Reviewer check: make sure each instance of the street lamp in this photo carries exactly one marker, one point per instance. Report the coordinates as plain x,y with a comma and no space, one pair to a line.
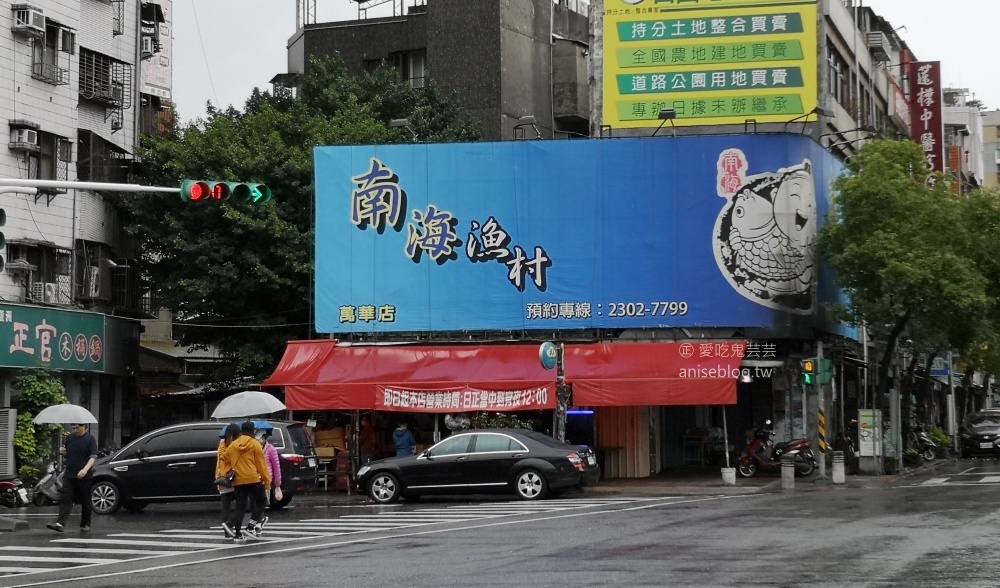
817,110
404,123
525,121
665,115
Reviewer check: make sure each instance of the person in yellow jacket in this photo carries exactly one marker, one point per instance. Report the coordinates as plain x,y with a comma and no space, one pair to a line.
231,433
246,456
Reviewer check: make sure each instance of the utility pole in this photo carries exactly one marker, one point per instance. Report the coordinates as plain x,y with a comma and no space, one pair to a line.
821,413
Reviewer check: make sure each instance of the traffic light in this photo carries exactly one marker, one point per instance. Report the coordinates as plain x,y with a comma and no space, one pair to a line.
3,239
809,371
242,192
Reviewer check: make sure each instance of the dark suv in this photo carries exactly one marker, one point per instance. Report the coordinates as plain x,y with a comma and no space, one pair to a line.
177,464
980,433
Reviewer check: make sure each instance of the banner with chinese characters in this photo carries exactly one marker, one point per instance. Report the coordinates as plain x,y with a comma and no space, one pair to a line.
465,399
537,235
48,338
712,61
925,111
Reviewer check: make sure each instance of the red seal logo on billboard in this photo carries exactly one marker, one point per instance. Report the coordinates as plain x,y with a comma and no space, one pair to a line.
80,347
96,349
686,350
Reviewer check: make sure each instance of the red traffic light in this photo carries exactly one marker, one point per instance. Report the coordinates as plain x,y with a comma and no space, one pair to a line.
200,190
195,191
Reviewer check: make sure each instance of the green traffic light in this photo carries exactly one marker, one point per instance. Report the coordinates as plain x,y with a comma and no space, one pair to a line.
808,379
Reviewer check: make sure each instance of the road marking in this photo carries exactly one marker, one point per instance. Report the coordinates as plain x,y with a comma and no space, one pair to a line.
285,547
83,550
4,570
934,482
42,558
134,542
990,480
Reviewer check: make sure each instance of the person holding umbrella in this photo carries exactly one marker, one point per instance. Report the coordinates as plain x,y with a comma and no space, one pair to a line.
246,456
80,451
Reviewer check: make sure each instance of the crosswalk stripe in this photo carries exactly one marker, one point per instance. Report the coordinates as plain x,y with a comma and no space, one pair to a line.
215,533
990,480
13,570
135,542
42,558
83,550
934,481
160,536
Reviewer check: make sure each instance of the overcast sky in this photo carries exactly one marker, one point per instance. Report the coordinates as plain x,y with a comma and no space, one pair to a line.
225,48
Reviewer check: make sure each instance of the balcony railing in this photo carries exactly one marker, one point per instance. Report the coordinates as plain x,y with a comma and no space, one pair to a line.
52,74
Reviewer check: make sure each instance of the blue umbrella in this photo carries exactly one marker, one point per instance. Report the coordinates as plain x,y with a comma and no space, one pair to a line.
259,425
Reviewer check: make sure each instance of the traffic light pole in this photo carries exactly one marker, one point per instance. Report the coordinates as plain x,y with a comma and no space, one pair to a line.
821,422
68,185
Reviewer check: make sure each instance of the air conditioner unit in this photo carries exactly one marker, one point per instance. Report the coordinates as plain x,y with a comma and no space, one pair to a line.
50,292
24,136
8,424
878,45
92,282
29,20
37,291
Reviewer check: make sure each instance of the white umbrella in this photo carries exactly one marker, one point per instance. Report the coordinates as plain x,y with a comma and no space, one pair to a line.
61,414
247,403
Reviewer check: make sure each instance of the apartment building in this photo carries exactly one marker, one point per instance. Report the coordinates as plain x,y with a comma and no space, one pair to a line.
84,79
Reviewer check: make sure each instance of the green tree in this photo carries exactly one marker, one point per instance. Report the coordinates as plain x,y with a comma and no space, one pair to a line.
33,445
240,277
898,244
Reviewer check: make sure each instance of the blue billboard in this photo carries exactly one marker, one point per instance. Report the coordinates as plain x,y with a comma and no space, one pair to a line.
540,235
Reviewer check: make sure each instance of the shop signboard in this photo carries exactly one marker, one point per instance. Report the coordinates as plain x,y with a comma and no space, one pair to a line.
712,61
869,433
542,235
925,108
35,337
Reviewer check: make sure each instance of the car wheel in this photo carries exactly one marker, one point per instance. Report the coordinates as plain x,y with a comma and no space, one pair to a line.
135,506
106,497
384,488
531,485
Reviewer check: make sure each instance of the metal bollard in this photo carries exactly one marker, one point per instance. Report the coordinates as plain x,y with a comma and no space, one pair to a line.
838,467
787,473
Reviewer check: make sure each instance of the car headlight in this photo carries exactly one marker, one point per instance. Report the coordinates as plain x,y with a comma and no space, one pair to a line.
363,470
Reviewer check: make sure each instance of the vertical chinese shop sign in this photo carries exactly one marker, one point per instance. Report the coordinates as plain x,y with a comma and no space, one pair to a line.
712,61
925,111
51,339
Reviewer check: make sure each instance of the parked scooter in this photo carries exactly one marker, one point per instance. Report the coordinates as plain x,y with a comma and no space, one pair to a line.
760,455
923,443
13,493
48,487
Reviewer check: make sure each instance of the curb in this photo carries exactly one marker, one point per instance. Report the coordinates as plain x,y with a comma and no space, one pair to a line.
8,524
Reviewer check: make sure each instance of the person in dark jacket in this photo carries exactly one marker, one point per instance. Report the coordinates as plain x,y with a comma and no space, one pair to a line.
80,451
404,440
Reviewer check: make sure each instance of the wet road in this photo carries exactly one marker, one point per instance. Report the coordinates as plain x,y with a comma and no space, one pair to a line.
937,529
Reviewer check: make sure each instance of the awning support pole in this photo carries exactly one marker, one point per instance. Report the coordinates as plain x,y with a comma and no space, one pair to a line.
562,395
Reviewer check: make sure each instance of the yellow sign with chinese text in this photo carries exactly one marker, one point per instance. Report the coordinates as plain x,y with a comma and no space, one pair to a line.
712,61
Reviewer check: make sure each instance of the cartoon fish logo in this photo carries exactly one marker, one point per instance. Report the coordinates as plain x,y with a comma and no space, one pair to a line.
764,239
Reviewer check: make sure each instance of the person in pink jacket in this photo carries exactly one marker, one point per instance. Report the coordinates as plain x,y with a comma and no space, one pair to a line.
273,465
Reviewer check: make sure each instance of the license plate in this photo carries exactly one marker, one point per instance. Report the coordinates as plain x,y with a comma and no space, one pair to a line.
591,460
985,445
312,462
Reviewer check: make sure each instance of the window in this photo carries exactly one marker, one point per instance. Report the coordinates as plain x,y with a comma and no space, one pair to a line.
103,80
50,54
51,161
453,446
491,442
838,77
183,441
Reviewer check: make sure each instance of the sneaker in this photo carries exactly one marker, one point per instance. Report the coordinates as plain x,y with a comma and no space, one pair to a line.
57,527
228,530
251,531
259,527
251,525
239,538
84,527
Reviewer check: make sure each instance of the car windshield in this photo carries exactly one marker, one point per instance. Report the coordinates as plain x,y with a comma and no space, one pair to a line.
297,434
982,418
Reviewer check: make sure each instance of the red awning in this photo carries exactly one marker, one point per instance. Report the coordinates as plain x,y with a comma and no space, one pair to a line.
322,375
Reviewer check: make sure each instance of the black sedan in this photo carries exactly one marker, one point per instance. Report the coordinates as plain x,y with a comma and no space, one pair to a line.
980,433
483,461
